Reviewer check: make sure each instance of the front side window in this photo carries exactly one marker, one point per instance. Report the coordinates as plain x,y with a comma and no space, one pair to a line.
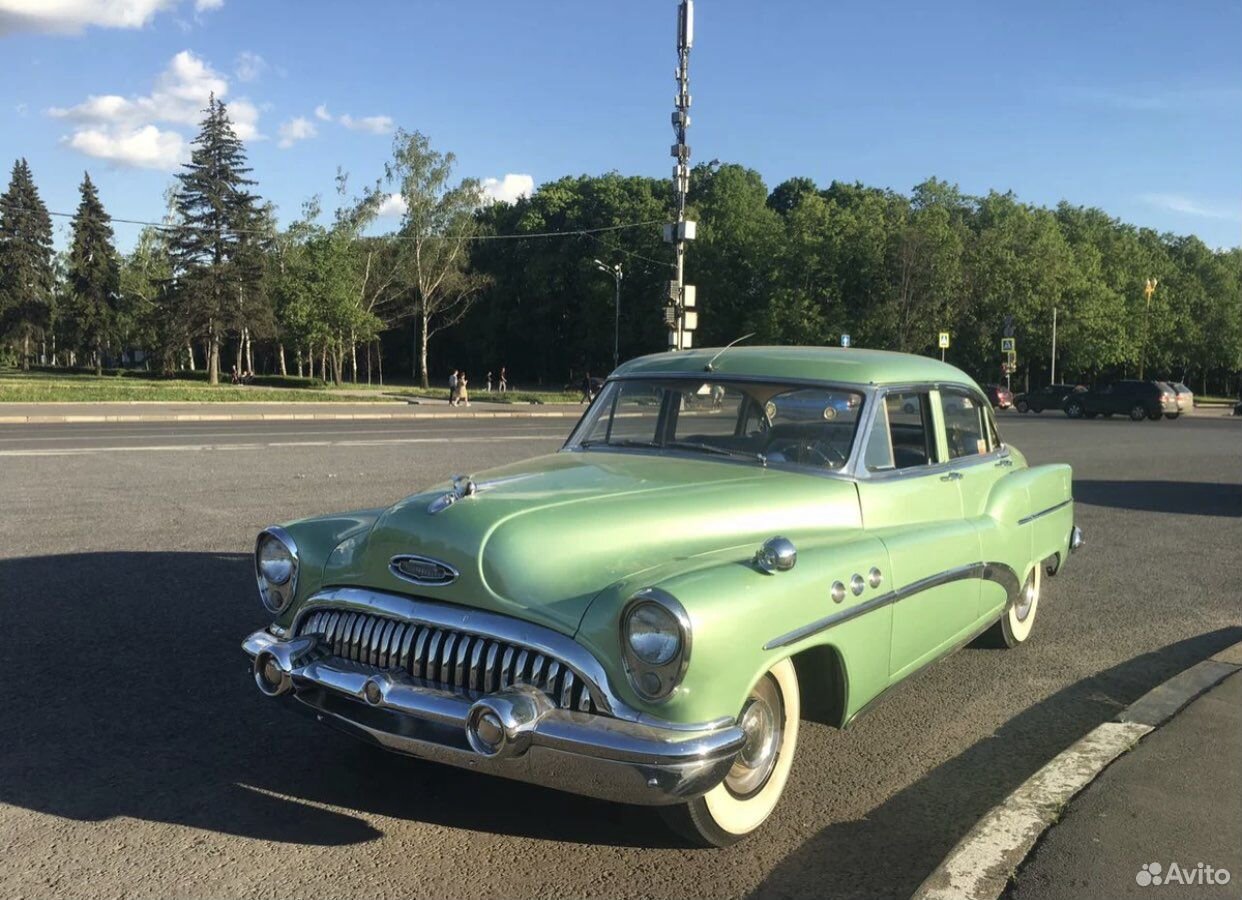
965,424
809,427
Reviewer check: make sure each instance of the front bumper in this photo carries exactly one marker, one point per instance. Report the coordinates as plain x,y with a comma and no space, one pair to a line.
594,755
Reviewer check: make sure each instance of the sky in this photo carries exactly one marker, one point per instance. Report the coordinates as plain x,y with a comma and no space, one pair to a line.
1134,107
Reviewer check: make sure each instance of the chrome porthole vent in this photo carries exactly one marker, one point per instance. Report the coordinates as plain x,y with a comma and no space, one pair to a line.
422,570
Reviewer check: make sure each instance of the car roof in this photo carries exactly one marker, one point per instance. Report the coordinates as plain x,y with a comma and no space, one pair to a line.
833,364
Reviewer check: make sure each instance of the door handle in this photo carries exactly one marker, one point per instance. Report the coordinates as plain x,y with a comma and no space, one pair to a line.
1006,463
951,476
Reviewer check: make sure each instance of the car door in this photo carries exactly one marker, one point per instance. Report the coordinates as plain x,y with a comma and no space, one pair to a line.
980,461
910,499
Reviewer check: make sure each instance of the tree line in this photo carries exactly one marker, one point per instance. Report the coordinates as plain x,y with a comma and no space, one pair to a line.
461,283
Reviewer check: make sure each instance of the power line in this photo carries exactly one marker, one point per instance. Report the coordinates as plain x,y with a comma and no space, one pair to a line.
176,226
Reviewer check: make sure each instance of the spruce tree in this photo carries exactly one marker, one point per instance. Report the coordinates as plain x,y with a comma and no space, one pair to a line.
94,274
209,250
26,274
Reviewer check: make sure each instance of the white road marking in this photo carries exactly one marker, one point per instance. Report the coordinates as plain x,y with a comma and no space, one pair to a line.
128,433
160,448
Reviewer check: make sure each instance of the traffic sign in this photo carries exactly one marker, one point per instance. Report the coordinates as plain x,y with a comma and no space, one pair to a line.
944,340
845,340
1008,345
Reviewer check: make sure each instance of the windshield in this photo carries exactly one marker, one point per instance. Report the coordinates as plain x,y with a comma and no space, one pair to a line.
769,424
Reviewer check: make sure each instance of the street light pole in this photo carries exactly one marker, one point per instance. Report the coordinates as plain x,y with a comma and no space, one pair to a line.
1053,380
615,272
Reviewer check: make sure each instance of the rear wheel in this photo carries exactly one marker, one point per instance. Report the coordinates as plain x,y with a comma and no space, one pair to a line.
1138,413
1155,415
1015,625
1090,415
744,800
1172,415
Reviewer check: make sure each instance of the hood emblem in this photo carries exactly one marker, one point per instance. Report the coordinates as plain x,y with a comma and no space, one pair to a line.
422,570
463,486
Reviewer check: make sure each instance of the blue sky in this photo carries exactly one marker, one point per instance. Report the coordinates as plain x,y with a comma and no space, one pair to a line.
1135,106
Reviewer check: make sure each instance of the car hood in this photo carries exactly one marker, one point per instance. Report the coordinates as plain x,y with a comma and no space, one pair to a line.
539,540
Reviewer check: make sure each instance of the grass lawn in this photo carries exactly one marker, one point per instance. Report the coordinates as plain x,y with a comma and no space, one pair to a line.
44,387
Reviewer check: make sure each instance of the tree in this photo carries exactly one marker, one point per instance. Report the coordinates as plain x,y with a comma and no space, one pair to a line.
94,274
436,231
27,278
213,247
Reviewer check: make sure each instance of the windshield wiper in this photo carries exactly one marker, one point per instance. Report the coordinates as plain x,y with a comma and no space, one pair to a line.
719,451
621,442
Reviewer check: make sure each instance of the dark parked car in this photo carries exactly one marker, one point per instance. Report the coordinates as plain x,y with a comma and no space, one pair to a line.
1135,399
998,395
1050,397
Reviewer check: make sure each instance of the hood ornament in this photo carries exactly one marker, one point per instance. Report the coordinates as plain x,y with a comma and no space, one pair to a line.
463,486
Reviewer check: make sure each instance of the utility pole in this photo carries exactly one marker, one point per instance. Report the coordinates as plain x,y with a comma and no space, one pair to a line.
615,272
679,313
1053,379
1148,289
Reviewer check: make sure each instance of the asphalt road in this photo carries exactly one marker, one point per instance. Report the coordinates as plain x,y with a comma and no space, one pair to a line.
138,760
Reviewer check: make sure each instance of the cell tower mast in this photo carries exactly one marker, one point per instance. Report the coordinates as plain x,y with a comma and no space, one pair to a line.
680,314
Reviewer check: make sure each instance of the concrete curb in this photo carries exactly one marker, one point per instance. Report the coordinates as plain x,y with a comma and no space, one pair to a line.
980,866
74,419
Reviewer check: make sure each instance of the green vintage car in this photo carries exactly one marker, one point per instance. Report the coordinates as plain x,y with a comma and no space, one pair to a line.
729,542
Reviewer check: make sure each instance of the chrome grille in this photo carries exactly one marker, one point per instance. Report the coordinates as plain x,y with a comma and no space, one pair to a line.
446,658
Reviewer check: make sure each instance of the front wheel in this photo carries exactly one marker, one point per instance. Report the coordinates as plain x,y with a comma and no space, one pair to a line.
1015,625
1172,415
1073,409
1022,406
744,800
1137,413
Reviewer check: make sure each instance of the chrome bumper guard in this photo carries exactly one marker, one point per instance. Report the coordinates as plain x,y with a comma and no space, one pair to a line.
1076,539
514,733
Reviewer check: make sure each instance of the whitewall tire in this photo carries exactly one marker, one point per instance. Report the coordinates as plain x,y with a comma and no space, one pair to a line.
1018,619
744,800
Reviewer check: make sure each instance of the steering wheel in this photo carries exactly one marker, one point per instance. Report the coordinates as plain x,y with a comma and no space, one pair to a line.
810,453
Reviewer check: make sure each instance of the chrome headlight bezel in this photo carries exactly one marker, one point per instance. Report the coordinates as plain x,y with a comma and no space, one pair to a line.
655,682
276,597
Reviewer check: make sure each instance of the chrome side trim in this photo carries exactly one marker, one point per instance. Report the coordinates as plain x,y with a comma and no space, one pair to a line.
988,571
1044,512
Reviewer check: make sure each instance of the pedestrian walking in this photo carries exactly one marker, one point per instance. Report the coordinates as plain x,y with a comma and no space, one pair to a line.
489,381
587,396
504,380
463,395
453,388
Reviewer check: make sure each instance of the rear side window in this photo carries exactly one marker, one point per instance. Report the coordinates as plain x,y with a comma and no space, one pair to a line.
901,435
965,424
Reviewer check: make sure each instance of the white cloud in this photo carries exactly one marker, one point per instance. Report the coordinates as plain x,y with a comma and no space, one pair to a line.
207,5
295,130
370,124
1188,206
129,124
147,147
249,66
508,189
392,205
321,113
72,16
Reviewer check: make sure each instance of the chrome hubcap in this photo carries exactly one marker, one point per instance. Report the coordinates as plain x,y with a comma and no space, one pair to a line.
762,721
1023,608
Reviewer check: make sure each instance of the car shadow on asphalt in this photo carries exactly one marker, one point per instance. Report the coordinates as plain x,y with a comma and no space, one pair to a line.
920,824
1194,498
127,694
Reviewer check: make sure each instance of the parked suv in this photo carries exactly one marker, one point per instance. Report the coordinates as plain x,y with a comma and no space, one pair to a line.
1050,397
1136,399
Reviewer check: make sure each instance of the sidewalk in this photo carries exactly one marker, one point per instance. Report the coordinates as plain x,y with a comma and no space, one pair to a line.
147,411
1175,799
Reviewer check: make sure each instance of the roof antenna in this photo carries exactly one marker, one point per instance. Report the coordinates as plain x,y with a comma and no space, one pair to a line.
710,367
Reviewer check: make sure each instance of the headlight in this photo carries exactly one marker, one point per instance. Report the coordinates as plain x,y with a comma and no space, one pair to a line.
653,633
655,643
276,567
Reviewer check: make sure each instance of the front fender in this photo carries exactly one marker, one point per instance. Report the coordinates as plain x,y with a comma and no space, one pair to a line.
326,544
739,614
